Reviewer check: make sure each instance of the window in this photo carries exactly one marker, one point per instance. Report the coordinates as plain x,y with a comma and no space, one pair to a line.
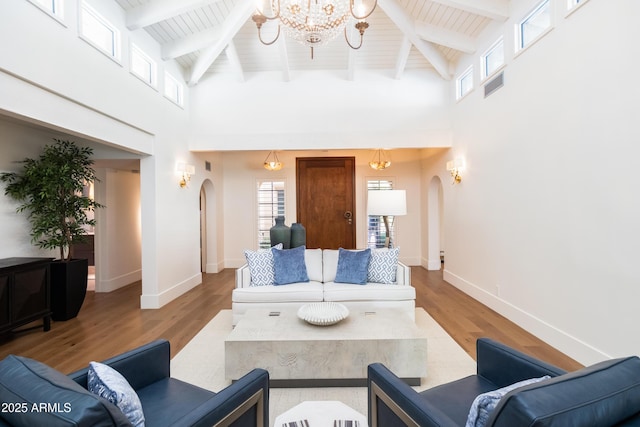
464,84
270,205
493,59
99,32
54,8
173,89
573,4
534,25
142,66
376,232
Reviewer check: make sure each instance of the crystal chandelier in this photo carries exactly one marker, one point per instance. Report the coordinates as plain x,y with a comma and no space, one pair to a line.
313,22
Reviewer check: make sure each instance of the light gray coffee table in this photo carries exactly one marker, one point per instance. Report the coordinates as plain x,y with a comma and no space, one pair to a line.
298,354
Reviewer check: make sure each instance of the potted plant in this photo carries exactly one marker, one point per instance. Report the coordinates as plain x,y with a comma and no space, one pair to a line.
50,190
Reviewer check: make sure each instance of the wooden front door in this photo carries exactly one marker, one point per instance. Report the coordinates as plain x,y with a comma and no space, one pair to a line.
326,202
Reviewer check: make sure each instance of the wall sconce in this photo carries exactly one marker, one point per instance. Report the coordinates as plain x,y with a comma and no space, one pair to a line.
454,167
185,171
272,163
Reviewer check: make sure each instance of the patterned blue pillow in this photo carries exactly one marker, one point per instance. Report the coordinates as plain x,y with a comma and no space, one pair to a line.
353,266
261,266
383,266
289,266
485,403
108,383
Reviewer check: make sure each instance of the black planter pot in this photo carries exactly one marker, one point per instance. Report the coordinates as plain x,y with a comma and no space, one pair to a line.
68,287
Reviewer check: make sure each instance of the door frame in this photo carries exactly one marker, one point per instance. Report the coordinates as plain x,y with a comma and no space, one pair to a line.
354,215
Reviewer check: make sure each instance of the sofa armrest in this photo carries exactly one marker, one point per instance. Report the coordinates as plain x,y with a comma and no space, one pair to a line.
403,275
603,394
244,403
141,366
392,402
503,365
243,277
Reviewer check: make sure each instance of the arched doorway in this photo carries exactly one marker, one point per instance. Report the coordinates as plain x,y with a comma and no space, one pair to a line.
435,229
208,247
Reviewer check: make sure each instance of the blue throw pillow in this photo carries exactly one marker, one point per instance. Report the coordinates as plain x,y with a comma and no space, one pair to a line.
485,403
289,266
353,266
106,382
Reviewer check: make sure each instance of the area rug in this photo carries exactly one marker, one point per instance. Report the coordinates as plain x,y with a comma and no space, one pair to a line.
201,362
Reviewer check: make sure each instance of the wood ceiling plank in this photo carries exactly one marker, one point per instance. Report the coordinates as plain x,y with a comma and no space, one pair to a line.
494,9
406,24
160,10
238,16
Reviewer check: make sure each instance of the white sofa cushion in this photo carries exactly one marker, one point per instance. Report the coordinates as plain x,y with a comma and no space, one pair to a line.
306,291
313,261
369,292
329,264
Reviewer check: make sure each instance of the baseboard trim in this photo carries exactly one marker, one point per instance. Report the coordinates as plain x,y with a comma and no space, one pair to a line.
564,342
165,297
118,282
213,267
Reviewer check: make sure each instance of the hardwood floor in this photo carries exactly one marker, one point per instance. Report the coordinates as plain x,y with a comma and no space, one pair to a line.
109,324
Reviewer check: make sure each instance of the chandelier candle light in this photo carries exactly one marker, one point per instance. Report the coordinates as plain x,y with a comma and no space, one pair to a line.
314,22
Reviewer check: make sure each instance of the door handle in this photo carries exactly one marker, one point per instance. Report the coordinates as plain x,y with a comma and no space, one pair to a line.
348,215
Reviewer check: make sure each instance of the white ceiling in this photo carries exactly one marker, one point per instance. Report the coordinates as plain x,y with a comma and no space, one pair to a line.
218,36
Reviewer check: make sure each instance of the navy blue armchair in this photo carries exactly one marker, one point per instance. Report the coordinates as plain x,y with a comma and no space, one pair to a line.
605,394
165,401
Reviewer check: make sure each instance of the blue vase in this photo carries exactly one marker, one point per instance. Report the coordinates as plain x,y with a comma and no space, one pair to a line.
298,235
280,233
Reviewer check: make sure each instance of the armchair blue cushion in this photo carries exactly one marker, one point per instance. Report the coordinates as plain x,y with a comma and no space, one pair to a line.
605,394
167,401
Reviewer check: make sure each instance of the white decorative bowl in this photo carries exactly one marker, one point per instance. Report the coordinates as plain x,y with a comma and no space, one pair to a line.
323,313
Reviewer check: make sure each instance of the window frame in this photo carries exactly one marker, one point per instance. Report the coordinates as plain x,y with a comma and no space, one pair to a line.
519,34
116,40
262,234
56,12
179,101
468,72
153,71
485,74
573,5
378,229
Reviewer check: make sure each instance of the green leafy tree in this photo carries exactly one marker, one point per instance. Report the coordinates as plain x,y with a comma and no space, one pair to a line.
50,190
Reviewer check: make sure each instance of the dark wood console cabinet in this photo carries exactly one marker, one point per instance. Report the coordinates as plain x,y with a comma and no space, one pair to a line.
25,292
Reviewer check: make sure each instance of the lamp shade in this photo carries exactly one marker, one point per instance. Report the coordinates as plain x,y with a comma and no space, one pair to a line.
387,202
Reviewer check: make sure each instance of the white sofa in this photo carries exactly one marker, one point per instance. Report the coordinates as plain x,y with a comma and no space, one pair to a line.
321,267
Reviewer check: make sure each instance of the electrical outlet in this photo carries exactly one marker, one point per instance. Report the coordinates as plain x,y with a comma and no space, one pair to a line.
497,290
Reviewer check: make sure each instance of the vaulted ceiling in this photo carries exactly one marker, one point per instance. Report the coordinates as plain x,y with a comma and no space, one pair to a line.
218,36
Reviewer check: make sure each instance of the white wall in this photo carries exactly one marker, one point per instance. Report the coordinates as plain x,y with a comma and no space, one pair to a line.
243,169
317,110
543,227
16,143
118,232
50,77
